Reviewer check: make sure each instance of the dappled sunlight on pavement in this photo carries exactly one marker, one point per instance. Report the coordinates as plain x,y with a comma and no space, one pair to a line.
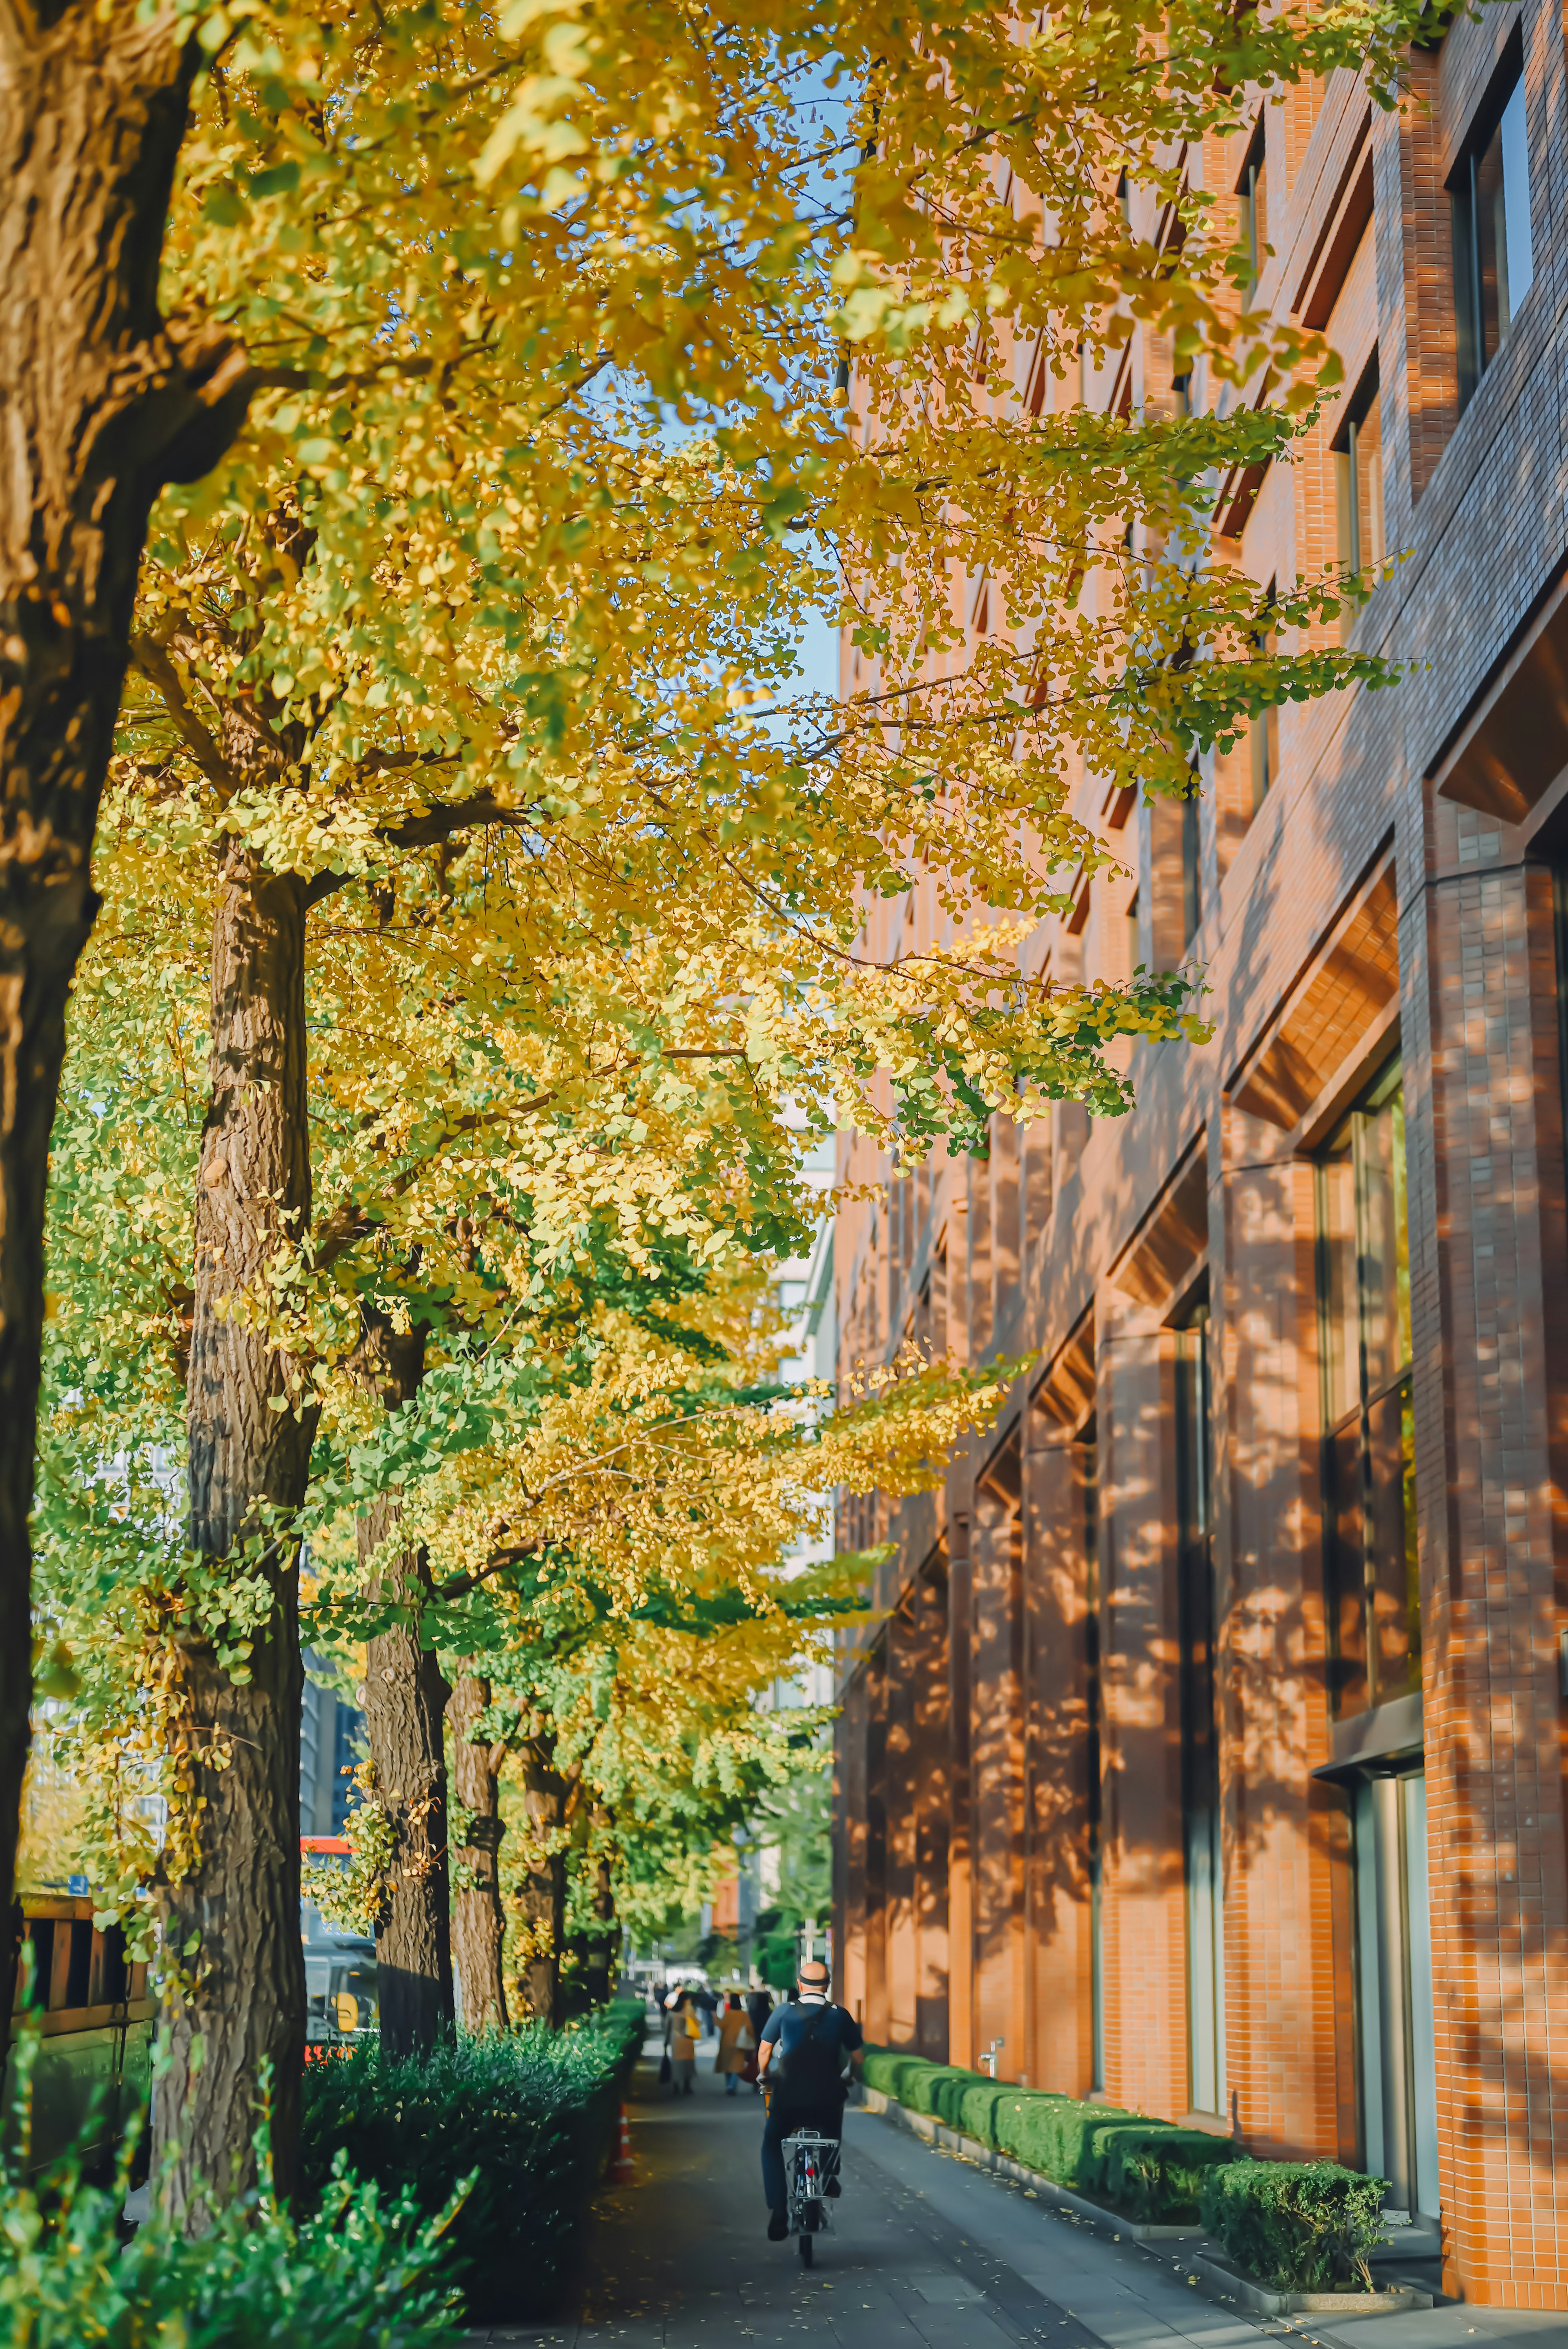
925,2252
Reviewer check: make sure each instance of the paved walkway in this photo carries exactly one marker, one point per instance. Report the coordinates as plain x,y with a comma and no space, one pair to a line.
926,2252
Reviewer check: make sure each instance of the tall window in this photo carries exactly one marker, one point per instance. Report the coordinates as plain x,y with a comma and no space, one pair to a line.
1262,732
1369,1462
1088,1487
1358,478
1494,260
1255,221
1200,1743
1191,865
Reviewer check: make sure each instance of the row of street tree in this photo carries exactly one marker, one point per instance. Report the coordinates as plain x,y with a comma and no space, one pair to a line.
430,920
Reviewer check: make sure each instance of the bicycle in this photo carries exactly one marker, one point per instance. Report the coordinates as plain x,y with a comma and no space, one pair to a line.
810,2159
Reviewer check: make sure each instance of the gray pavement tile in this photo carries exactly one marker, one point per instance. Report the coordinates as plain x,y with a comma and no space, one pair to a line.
1455,2327
969,2327
926,2252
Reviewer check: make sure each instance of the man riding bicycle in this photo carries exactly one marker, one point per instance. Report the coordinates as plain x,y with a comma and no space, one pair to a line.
800,2062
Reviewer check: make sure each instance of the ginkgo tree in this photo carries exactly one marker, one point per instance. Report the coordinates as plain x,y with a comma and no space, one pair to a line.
476,637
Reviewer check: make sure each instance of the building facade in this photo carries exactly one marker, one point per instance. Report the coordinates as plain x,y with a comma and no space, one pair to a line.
1209,1753
332,1741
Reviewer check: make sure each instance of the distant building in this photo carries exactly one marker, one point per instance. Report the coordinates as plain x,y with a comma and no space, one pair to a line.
332,1740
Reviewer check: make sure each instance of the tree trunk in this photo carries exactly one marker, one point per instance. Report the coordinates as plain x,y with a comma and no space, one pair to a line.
98,408
598,1974
479,1926
404,1704
234,1903
543,1897
405,1699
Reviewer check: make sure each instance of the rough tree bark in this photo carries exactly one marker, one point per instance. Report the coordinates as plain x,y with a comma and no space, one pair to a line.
478,1925
542,1901
598,1972
405,1697
101,403
238,1896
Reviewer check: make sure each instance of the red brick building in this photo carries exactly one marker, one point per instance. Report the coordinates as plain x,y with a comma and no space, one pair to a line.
1211,1755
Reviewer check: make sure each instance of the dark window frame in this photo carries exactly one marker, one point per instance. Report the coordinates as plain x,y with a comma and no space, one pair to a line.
1466,215
1367,1404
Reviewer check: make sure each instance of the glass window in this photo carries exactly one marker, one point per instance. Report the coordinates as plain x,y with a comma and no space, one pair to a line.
1262,732
1254,220
1089,1487
1494,259
1368,1452
1358,479
1202,1848
1191,865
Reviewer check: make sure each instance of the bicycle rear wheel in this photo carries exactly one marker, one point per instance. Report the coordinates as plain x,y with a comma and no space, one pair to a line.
805,2251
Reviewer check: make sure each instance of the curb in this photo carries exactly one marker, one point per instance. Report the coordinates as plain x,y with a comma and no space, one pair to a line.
1216,2279
1222,2282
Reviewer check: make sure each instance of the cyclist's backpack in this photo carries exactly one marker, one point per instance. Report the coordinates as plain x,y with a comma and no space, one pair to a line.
808,2073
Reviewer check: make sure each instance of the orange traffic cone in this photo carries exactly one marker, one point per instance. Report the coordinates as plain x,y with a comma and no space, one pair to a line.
623,2169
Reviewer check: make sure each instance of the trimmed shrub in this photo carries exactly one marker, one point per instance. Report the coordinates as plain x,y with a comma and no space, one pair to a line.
1104,2130
976,2107
948,2094
1023,2119
1156,2172
528,2114
881,2068
1069,2133
922,2088
361,2271
1153,2169
1297,2226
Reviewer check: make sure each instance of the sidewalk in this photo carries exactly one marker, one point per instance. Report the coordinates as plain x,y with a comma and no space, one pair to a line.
927,2252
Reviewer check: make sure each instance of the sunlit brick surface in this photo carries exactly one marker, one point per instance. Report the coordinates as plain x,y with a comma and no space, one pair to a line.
1359,911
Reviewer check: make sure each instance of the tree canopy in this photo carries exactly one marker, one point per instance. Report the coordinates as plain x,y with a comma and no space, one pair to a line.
483,941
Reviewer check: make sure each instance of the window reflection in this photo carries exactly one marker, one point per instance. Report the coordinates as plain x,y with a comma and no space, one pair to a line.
1369,1473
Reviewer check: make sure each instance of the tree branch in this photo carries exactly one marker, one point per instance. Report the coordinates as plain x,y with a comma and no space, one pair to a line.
162,674
426,830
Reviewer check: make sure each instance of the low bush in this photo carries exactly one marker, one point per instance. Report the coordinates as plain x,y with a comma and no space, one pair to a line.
1021,2122
362,2271
529,2114
924,2084
1297,2226
1068,2132
883,2067
1156,2172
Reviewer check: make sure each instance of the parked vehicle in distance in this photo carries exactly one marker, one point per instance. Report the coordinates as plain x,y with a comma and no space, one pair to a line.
96,2022
342,2003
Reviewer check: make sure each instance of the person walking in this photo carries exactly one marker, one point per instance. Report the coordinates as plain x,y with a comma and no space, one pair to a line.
759,2006
736,2042
686,2030
801,2060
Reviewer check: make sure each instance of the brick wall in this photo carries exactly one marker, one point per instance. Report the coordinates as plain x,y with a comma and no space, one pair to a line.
1360,910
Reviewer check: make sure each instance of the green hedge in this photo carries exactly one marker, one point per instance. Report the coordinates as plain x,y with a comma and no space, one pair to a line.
362,2271
929,2085
529,2114
1298,2226
1156,2172
1152,2169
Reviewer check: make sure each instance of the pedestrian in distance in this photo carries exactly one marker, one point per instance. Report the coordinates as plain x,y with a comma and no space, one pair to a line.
802,2056
737,2043
686,2030
759,2006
